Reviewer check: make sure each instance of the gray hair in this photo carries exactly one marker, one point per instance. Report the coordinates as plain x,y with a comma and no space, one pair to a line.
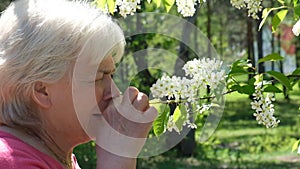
38,41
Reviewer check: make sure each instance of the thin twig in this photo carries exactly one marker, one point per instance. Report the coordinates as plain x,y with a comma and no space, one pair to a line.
184,100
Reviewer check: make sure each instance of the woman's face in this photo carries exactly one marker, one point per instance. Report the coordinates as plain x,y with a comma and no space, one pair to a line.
75,103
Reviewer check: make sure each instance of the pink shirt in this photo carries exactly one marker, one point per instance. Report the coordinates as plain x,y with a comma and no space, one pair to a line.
16,154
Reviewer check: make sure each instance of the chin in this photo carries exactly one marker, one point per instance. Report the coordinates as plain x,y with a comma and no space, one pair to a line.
84,138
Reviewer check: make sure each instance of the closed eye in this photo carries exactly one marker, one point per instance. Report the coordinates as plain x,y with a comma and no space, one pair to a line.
104,74
99,76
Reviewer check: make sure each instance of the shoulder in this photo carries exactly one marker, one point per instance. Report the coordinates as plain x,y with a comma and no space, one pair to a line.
15,154
5,154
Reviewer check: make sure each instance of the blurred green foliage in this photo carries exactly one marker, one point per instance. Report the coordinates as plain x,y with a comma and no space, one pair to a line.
4,4
86,155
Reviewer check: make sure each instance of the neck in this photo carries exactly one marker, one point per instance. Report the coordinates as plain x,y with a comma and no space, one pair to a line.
60,148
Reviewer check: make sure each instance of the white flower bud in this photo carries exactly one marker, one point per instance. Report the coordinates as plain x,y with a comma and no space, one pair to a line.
296,28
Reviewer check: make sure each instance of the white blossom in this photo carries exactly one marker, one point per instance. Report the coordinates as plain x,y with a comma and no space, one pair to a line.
238,3
173,87
203,108
264,109
127,7
253,6
188,123
191,125
199,74
205,72
186,7
298,150
257,95
296,28
256,105
171,125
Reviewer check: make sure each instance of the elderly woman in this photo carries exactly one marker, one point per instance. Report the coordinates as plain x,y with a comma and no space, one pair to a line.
56,90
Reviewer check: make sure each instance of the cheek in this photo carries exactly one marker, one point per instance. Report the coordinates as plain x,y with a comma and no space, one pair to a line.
99,93
63,100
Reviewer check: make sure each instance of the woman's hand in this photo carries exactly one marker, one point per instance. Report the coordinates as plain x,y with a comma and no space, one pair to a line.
123,130
131,115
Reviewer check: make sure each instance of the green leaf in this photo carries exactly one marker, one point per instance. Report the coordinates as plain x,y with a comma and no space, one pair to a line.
252,81
281,1
295,146
101,3
278,18
273,89
297,11
237,70
247,89
235,87
295,80
295,2
149,1
111,6
271,57
258,78
162,118
281,78
168,4
265,15
157,3
239,62
179,116
296,72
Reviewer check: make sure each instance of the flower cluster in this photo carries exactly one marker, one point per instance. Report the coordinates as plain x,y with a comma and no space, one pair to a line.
186,7
253,6
205,72
239,4
172,87
296,28
264,108
199,74
128,7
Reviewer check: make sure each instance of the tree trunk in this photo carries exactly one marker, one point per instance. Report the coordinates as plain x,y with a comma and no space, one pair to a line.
297,52
260,46
208,14
286,96
187,146
250,47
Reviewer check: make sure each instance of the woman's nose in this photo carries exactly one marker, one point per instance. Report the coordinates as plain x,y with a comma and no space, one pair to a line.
111,90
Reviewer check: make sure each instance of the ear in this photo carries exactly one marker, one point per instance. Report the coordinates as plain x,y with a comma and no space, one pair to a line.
40,95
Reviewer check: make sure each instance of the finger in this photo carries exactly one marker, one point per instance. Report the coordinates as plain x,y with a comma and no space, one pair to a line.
151,114
141,102
130,95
